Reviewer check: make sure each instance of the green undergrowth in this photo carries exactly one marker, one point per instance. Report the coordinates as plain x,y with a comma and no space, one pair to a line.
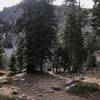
84,89
5,98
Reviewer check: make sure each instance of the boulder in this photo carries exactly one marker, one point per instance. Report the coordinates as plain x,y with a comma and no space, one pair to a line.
50,91
20,97
22,79
68,87
56,88
15,92
69,83
3,81
40,95
81,78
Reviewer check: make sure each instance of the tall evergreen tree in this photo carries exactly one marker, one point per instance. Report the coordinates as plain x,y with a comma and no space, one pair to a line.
1,48
12,64
92,39
70,30
21,53
38,21
96,18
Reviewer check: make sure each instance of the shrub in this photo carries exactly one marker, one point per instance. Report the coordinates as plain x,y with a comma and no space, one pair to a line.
5,98
84,89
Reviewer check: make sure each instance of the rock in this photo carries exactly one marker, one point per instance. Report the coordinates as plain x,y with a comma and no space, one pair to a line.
73,85
3,81
56,88
16,79
40,95
22,79
14,92
22,96
69,83
59,78
68,87
50,91
81,78
20,75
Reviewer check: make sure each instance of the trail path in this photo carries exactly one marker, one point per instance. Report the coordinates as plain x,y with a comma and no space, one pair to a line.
35,87
86,78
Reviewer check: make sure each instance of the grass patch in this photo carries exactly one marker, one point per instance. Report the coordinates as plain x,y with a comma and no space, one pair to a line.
5,98
84,89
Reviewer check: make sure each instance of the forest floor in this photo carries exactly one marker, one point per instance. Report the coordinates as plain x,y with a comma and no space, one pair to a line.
38,86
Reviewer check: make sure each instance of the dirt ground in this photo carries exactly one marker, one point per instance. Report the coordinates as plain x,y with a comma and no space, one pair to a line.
38,87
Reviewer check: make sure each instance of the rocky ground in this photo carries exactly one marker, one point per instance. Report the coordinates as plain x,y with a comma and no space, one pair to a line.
41,87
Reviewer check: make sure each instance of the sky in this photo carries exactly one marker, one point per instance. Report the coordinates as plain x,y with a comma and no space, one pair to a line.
8,3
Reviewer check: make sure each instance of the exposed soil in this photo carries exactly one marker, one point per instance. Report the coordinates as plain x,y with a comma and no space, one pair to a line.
38,87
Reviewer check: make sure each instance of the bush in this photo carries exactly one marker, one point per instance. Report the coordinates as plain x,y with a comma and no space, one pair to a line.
5,98
84,89
86,66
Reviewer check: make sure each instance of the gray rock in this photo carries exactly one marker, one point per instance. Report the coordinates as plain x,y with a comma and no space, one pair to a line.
60,78
22,96
69,83
3,81
15,92
50,91
40,95
73,85
68,87
22,79
81,78
56,88
16,79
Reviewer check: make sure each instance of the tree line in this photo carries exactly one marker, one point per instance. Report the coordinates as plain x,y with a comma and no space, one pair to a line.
42,39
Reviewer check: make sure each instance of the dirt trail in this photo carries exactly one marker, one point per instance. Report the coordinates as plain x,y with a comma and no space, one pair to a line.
36,87
90,79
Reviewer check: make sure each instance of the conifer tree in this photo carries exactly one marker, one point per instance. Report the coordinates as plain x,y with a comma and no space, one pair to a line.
12,65
1,48
21,53
1,56
38,21
96,17
70,31
92,39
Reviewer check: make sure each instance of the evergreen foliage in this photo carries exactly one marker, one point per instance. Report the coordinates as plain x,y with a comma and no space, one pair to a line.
38,22
70,31
96,17
21,53
1,48
13,64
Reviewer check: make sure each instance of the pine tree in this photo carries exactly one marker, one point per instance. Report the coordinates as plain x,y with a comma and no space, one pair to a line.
1,56
38,21
8,41
21,53
96,18
70,31
92,39
12,65
1,49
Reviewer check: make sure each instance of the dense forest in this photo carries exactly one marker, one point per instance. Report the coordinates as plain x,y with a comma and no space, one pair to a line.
37,36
